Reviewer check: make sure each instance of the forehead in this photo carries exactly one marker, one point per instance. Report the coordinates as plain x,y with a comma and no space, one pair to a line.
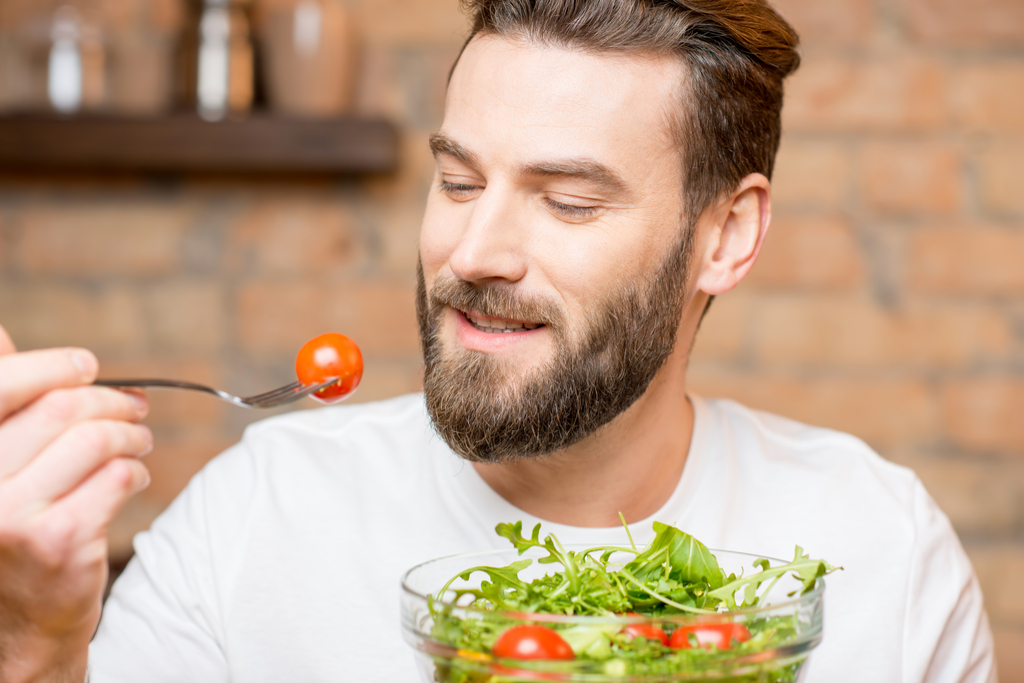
513,101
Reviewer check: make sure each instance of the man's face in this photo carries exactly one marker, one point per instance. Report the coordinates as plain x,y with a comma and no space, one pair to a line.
553,245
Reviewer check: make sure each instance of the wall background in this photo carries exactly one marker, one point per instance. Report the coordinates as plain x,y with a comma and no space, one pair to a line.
888,302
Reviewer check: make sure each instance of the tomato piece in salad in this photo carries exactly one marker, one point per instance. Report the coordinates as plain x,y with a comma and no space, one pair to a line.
532,642
719,636
648,631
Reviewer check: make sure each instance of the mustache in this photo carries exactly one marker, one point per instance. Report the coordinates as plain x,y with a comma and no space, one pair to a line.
495,301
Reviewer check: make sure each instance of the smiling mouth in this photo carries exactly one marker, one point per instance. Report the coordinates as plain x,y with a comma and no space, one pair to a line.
499,325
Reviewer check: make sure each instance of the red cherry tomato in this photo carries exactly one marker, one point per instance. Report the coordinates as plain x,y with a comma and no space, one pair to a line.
648,631
707,636
330,355
532,642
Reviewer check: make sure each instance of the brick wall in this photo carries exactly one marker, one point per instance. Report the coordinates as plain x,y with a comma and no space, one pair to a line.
888,302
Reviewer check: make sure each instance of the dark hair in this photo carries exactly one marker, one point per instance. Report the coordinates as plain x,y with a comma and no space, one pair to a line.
736,54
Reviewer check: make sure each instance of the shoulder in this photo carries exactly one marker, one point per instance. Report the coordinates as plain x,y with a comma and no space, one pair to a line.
798,449
778,430
832,487
292,473
789,483
834,491
323,448
392,427
331,421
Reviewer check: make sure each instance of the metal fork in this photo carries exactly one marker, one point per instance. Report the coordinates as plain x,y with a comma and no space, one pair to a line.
271,399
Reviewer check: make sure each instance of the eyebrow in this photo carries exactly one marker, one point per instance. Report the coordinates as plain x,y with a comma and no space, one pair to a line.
442,144
582,169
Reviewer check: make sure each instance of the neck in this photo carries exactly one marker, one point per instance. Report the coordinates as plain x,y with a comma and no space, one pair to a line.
631,465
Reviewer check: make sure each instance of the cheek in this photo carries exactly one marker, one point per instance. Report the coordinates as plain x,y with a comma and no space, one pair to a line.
587,265
439,234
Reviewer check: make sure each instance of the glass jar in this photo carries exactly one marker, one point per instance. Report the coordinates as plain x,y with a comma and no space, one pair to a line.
308,56
217,62
54,58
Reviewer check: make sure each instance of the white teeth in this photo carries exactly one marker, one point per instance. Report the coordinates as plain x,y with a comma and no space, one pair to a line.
502,326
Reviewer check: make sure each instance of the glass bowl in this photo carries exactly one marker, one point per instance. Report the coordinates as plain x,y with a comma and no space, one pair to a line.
793,625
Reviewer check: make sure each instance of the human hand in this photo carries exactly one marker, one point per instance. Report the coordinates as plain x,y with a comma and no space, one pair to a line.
68,462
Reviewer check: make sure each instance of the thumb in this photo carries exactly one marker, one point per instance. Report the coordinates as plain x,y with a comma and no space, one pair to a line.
6,345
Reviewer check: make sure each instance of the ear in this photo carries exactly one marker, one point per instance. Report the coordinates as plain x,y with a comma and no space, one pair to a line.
733,235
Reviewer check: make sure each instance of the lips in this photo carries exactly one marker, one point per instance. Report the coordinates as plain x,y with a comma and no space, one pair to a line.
499,325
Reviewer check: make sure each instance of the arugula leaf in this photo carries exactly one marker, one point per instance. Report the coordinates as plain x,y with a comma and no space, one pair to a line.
685,558
514,533
665,599
501,578
571,562
802,566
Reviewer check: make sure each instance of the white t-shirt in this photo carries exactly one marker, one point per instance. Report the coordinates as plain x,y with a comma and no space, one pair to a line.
281,561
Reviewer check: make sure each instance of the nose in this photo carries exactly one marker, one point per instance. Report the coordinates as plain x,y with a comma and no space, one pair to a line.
492,247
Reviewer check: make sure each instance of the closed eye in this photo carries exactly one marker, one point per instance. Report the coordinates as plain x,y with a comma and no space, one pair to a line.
457,189
570,210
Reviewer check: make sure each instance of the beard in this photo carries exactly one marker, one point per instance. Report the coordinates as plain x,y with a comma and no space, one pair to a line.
489,412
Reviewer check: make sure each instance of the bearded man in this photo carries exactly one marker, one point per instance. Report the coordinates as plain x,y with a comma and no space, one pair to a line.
602,173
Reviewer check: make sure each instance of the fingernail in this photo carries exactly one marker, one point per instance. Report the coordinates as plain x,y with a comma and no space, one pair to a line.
149,449
141,404
85,362
146,483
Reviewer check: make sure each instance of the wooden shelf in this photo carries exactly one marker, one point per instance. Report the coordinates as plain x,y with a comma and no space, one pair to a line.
186,143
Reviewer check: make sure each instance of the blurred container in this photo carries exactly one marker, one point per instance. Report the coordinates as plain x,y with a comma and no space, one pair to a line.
217,62
142,73
76,69
54,58
308,53
143,60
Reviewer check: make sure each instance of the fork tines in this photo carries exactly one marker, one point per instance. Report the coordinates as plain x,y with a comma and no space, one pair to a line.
286,394
275,396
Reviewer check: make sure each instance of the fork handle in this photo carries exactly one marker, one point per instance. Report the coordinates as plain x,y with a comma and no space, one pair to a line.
167,384
154,383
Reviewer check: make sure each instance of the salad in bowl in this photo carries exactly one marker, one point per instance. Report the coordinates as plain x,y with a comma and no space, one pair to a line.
672,610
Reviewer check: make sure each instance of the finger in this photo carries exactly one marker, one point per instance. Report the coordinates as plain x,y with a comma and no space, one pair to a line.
24,377
93,503
6,345
30,430
74,455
